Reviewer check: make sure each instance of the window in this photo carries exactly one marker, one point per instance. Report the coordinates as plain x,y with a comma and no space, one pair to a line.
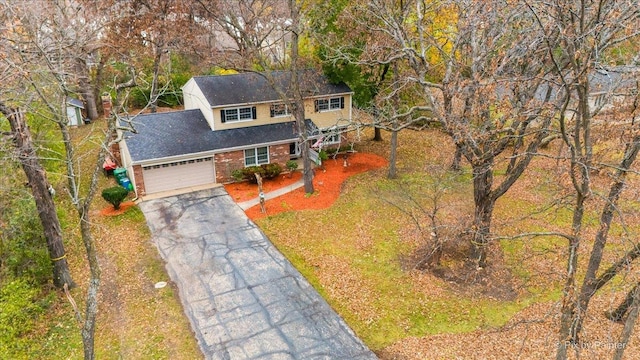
322,105
278,110
329,104
331,138
238,114
257,156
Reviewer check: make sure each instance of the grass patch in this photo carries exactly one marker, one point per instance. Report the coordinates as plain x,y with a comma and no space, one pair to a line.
352,252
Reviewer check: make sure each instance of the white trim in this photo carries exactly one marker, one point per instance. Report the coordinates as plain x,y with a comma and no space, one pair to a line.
224,106
156,161
238,113
255,155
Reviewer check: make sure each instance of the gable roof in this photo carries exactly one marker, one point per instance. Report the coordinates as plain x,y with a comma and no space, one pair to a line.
184,132
75,102
251,87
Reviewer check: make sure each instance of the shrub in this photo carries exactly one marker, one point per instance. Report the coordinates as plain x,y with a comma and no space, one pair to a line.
266,171
292,165
249,173
115,195
237,174
272,170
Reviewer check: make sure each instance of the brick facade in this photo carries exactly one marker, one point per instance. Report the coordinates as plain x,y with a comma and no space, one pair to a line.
227,162
139,179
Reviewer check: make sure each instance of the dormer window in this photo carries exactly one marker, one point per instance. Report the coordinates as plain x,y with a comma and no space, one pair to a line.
238,114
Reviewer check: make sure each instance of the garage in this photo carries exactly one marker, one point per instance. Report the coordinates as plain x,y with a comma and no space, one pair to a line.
177,175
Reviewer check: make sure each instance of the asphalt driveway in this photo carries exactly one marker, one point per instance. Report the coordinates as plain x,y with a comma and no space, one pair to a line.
243,298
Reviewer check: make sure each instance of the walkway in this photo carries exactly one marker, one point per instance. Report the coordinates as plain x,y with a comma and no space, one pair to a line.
243,298
272,194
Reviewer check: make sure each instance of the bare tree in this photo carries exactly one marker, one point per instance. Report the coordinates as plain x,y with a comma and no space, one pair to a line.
485,88
585,31
42,49
154,27
42,193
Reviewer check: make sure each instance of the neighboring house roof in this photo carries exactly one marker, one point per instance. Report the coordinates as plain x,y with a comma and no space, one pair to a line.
177,133
619,78
75,102
604,81
250,87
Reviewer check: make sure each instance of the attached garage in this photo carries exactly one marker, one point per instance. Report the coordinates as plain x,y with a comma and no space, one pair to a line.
179,174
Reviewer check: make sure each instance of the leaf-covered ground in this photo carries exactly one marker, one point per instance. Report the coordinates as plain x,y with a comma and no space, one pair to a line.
360,250
135,320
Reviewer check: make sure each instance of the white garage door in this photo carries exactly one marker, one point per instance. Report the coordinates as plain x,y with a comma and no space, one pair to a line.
177,175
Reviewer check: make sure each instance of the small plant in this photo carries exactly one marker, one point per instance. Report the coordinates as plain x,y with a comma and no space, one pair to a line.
237,175
323,155
292,165
115,195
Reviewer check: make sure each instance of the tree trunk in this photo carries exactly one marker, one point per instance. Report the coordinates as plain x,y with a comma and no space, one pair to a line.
567,334
393,153
307,171
91,310
591,283
629,324
153,96
42,195
619,313
97,83
85,89
377,134
457,159
484,204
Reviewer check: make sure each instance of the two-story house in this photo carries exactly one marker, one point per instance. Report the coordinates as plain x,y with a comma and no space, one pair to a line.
230,122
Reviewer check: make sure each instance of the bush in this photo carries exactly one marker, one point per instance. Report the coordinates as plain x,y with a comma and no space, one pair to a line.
292,165
266,171
272,170
237,175
323,155
249,173
115,195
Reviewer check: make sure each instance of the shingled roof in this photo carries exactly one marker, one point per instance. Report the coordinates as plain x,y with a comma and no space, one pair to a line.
184,132
251,87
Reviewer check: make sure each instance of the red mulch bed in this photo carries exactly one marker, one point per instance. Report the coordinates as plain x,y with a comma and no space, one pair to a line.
110,211
327,184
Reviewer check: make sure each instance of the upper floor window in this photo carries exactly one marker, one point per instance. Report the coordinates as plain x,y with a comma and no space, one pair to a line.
329,104
238,114
280,110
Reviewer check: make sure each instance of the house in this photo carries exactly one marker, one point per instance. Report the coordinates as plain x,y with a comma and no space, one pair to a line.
230,122
74,111
611,87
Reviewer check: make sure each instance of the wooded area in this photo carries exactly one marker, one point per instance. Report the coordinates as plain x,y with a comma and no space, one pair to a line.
506,83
